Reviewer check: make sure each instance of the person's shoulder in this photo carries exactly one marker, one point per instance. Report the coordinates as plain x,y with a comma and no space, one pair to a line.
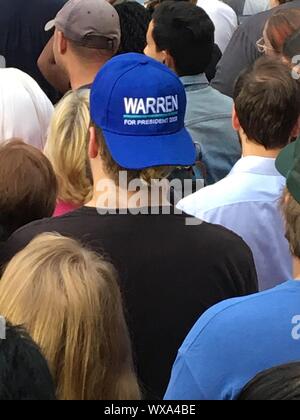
258,20
222,99
208,198
221,240
217,105
50,224
225,240
36,226
226,10
231,314
19,239
255,21
65,225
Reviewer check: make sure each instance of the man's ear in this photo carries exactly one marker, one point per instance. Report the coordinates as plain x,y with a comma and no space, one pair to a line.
168,60
235,120
62,43
296,129
93,149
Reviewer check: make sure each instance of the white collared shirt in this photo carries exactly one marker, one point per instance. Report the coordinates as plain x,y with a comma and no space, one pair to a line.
247,202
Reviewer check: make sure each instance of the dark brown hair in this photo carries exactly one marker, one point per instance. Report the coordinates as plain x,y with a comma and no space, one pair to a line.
28,186
267,102
282,24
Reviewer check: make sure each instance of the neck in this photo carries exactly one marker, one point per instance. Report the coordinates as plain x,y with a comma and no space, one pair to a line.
296,268
84,74
108,195
250,148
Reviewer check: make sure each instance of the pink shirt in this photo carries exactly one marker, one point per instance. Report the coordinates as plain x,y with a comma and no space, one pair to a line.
63,207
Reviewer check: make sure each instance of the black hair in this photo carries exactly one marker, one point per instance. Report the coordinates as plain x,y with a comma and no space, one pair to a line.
134,21
277,384
152,4
24,373
187,33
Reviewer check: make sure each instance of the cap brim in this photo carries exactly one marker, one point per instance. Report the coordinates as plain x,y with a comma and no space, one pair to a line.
140,152
50,25
286,159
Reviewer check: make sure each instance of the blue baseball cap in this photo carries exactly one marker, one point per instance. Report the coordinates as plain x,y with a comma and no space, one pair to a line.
139,104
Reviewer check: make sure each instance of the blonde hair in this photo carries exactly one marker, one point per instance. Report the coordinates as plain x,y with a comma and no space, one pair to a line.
68,299
66,147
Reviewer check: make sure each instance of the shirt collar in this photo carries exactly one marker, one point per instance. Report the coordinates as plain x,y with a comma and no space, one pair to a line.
256,165
199,79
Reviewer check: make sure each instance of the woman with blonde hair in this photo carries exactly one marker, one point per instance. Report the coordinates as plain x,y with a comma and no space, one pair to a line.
66,148
68,299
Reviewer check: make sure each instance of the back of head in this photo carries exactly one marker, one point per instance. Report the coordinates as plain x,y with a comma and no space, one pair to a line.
138,121
277,384
32,194
87,35
282,24
68,299
267,103
187,33
66,146
152,4
86,55
24,373
134,21
24,108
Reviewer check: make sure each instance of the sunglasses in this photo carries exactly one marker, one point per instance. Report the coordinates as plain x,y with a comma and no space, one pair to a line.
261,46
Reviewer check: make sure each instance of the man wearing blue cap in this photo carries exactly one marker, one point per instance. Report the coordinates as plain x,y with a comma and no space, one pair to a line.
170,272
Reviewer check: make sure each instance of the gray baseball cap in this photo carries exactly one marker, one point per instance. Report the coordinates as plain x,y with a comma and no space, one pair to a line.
89,23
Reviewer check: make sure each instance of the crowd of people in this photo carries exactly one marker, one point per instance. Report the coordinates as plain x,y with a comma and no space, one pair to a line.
150,200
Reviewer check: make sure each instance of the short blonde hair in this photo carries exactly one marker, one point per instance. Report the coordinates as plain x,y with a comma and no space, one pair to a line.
66,147
68,299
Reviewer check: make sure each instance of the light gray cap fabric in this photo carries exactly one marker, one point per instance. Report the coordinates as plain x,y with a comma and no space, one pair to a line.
89,23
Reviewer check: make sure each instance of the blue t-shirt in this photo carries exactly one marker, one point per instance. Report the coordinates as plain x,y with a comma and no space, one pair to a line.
234,341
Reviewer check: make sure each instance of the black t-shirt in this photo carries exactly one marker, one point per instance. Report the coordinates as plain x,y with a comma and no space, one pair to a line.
23,37
170,273
242,51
